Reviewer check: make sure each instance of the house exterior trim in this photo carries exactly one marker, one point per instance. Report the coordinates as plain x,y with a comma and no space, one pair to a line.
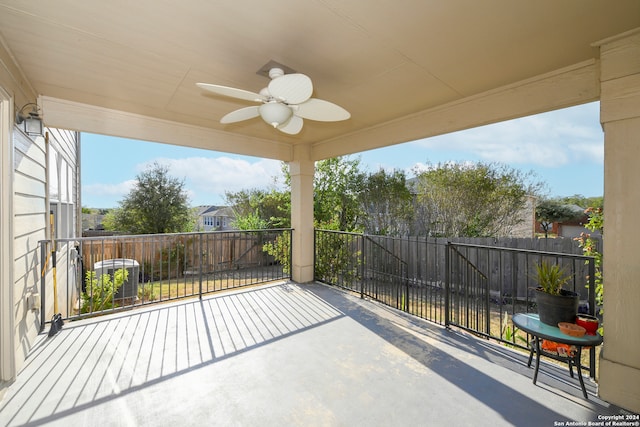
7,356
65,114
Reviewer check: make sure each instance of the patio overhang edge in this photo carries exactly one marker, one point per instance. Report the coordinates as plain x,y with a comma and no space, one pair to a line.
64,114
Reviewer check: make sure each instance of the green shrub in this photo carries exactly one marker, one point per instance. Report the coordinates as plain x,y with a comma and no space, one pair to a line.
280,249
100,292
147,293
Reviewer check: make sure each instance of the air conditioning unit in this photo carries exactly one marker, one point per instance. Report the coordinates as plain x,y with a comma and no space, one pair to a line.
130,287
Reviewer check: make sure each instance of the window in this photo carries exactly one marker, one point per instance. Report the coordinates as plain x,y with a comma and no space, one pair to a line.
61,196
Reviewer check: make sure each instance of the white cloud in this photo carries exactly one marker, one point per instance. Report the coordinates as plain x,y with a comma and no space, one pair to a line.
117,191
208,178
550,139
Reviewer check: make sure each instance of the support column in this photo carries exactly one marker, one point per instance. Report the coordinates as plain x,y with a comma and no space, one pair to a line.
302,169
619,378
7,303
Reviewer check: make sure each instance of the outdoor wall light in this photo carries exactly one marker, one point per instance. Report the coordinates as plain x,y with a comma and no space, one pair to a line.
30,121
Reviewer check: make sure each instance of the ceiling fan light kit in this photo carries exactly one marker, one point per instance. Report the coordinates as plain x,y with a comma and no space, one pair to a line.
285,102
275,113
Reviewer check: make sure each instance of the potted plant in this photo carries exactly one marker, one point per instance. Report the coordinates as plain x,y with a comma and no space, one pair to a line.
555,304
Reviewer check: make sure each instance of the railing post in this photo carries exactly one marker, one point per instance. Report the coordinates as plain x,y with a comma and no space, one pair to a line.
447,284
487,301
200,255
592,311
405,277
291,255
362,266
592,286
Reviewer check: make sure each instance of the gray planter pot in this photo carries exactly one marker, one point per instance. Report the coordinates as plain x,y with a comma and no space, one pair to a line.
554,309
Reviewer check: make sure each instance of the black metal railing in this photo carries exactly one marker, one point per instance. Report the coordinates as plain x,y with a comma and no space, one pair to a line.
470,286
488,285
385,274
338,258
405,273
95,275
469,294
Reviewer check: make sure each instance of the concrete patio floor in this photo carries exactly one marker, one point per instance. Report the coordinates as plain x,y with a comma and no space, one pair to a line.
283,355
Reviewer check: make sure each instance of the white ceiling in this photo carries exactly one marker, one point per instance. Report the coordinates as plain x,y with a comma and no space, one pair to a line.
382,60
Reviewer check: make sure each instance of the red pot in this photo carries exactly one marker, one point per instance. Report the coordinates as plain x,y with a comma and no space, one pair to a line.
590,323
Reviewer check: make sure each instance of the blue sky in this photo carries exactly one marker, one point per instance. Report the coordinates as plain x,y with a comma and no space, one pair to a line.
565,150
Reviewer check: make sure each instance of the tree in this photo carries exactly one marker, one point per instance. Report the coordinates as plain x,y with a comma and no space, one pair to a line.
549,211
257,209
337,183
156,204
583,202
386,203
473,200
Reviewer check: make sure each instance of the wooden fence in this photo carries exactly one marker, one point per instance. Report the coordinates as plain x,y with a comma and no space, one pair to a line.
424,261
175,255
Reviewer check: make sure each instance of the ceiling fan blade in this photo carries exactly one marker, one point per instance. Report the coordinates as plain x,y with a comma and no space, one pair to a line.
291,88
321,110
240,115
293,126
231,92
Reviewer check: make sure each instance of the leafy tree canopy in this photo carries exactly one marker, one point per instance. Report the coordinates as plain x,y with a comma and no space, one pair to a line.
387,203
452,199
337,183
157,203
474,200
257,209
551,210
583,202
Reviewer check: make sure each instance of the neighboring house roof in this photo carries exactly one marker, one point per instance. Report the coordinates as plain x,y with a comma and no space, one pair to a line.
205,209
215,211
580,216
577,209
222,211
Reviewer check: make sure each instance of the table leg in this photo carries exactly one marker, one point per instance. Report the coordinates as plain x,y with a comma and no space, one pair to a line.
532,349
578,364
535,373
571,366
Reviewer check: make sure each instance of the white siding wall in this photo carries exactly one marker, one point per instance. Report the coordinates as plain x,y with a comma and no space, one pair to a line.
30,226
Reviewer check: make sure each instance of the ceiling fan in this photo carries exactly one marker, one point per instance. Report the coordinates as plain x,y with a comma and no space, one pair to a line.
284,102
